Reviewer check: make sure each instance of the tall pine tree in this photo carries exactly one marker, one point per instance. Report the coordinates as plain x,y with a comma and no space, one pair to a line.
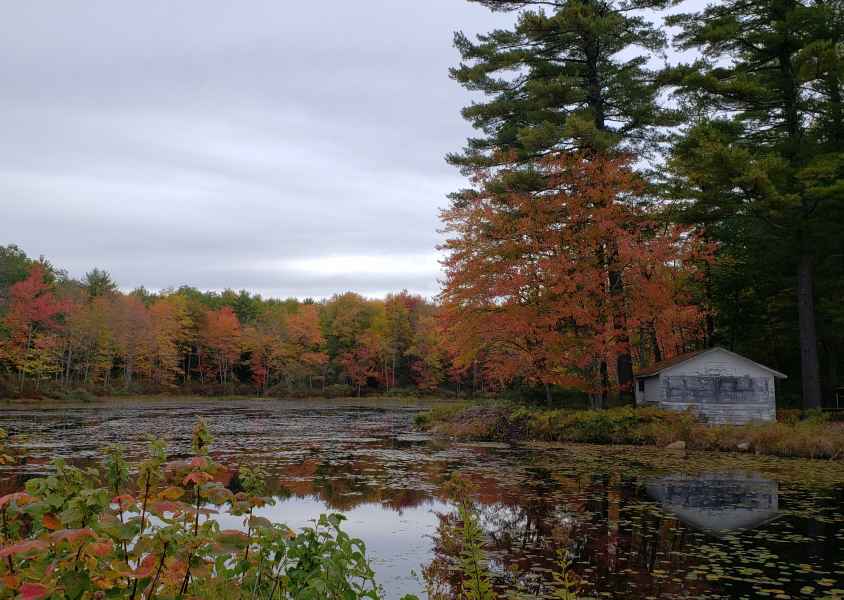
570,76
767,156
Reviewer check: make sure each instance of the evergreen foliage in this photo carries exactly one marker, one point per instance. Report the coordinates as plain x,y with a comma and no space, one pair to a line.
762,166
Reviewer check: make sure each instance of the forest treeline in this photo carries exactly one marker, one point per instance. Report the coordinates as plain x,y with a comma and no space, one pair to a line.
646,182
57,333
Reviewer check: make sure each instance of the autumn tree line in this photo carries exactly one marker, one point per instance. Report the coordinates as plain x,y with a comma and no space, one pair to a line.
57,333
646,182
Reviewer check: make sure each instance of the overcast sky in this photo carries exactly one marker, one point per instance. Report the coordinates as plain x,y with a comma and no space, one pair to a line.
288,148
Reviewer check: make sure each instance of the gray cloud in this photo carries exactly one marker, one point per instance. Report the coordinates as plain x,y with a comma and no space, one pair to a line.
189,142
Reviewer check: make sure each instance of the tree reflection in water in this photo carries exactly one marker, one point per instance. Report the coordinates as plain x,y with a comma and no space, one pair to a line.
618,539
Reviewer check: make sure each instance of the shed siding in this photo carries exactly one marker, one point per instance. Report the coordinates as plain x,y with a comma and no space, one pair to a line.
652,391
720,399
717,385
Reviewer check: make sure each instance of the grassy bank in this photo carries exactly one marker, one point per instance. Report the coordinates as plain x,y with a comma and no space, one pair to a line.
811,437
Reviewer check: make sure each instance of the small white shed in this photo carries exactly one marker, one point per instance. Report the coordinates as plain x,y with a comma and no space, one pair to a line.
721,386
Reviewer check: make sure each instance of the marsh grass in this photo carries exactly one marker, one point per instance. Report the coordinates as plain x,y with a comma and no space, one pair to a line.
814,436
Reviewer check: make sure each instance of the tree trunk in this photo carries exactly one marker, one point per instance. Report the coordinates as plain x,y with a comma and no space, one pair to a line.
655,344
67,365
809,368
605,385
624,362
548,398
127,372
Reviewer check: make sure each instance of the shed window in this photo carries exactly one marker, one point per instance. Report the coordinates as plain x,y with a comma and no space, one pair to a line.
641,385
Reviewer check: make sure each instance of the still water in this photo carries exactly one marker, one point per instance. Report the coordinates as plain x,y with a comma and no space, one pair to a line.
635,523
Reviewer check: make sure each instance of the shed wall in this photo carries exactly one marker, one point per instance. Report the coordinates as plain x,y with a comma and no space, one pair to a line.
717,385
653,391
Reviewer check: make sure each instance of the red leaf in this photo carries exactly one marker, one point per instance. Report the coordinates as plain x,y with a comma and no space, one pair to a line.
22,547
146,568
197,478
198,462
73,535
100,549
20,498
124,502
33,591
163,506
50,521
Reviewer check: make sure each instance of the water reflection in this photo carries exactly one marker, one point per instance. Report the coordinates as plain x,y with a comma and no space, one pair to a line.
631,530
718,502
395,540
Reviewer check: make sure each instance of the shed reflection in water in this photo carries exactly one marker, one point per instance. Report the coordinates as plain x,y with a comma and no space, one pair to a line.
718,502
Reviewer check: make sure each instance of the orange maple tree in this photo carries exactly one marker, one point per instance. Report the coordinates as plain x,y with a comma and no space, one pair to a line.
305,341
528,274
221,336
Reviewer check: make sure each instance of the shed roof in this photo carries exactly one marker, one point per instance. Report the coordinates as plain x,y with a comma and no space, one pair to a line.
657,368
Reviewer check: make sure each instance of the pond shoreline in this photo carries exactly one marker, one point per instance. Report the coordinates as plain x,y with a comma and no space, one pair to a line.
814,437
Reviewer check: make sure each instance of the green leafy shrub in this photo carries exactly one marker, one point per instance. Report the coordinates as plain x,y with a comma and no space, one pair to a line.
80,533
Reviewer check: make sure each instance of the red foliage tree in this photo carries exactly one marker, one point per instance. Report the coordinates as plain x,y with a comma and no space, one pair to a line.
305,342
528,274
364,361
32,320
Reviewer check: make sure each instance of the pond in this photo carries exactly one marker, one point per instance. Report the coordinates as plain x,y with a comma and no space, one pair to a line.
635,522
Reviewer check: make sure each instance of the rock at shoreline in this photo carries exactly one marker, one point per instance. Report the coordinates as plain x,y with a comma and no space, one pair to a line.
679,445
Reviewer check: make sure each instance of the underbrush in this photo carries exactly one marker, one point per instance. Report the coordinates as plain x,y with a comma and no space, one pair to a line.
813,436
440,413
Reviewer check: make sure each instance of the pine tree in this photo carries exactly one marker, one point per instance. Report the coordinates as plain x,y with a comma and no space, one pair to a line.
98,283
570,77
562,79
769,150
